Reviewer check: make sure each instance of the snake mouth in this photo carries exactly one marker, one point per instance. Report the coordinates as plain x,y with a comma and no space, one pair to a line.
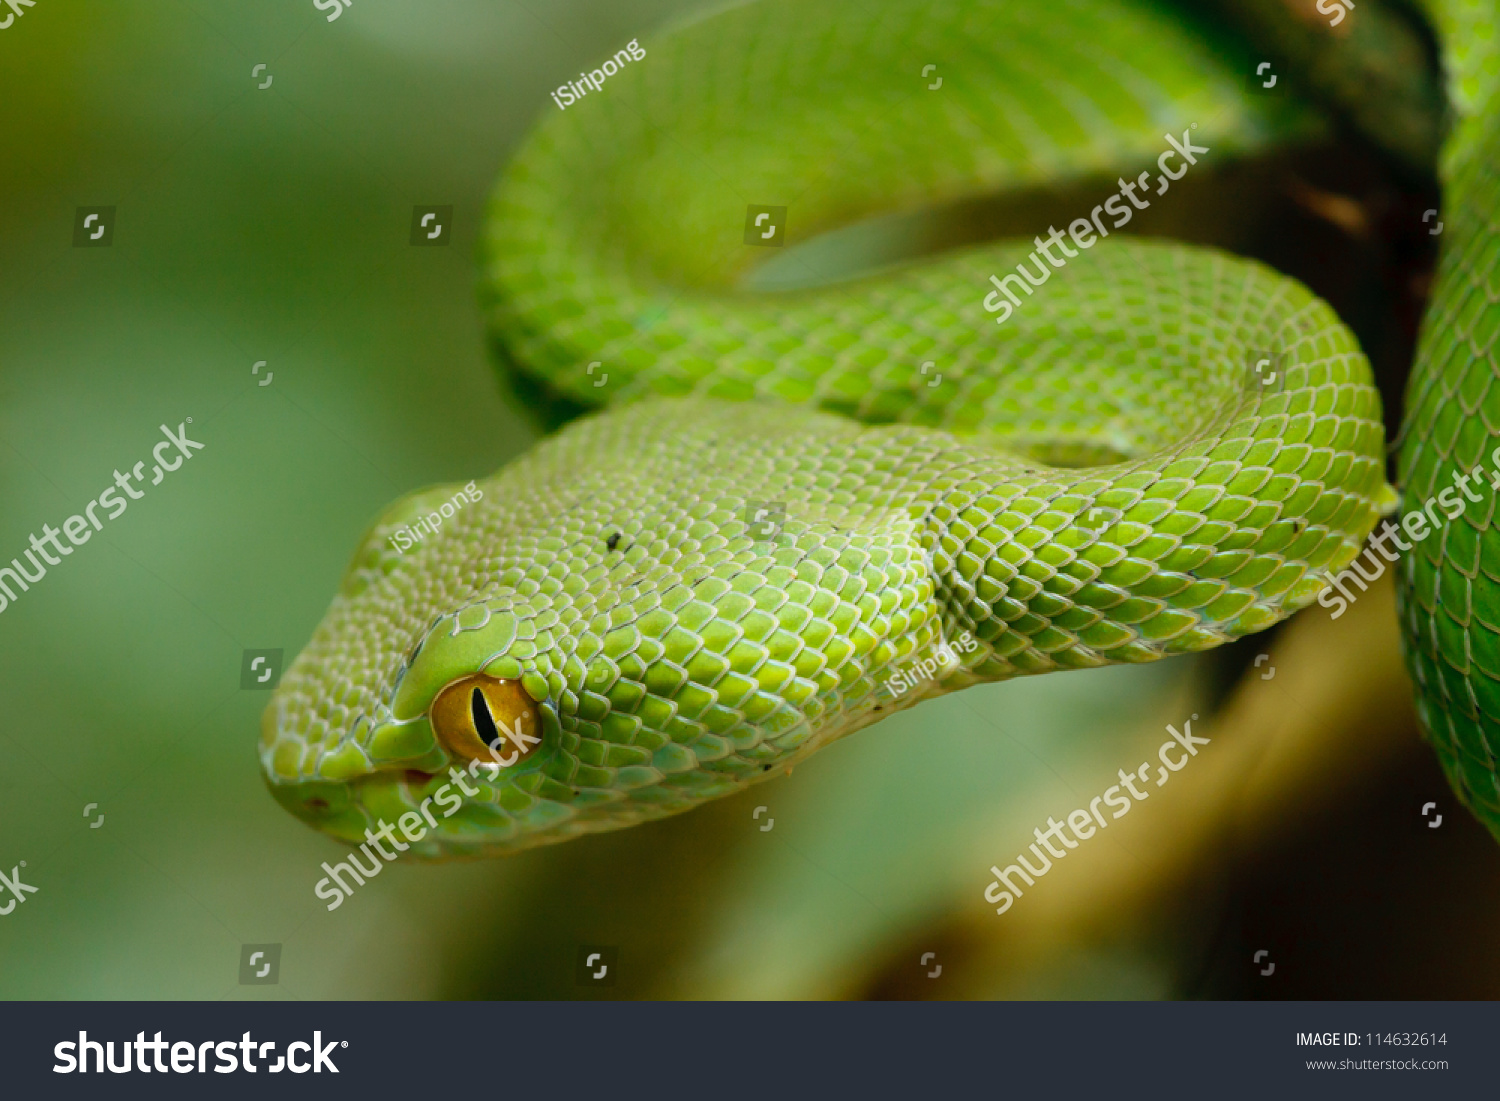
439,813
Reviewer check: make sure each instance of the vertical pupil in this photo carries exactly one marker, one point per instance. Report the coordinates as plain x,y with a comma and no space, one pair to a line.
484,722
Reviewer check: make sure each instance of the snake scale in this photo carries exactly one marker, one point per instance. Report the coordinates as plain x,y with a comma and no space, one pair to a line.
794,512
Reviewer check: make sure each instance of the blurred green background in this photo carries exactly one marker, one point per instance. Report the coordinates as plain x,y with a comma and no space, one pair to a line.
272,224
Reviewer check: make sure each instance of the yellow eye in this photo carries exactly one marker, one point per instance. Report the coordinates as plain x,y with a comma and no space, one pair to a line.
476,712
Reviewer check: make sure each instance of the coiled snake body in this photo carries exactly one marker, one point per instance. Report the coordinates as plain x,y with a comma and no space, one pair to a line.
794,499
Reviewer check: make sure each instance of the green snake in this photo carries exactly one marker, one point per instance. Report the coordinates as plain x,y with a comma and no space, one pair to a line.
792,512
1449,584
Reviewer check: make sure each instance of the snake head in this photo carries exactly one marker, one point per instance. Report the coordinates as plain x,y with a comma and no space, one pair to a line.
416,706
580,645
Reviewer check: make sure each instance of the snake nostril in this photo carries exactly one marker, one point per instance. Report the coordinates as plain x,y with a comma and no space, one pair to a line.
316,805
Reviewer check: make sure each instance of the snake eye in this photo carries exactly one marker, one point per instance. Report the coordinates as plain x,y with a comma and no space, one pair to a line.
478,711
